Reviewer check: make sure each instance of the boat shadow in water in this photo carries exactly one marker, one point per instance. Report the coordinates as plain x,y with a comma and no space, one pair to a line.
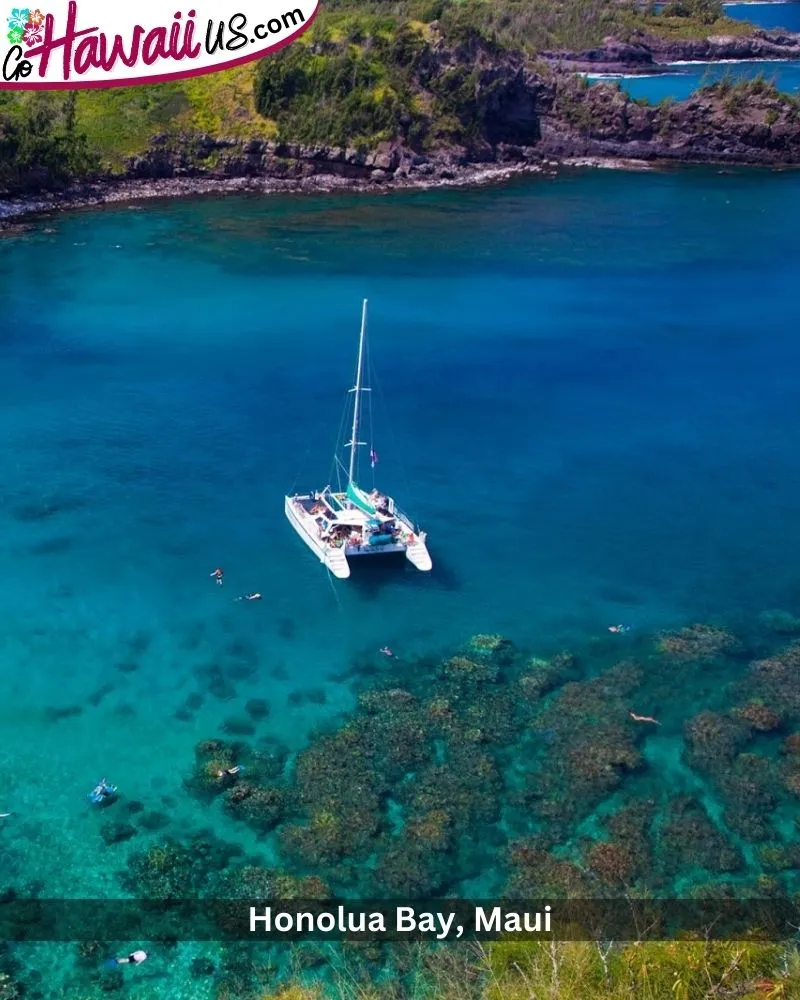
369,576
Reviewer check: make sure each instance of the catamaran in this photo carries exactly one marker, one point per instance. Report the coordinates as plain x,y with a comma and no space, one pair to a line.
341,524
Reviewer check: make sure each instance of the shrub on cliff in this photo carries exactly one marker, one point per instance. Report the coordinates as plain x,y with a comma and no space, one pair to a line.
40,145
347,87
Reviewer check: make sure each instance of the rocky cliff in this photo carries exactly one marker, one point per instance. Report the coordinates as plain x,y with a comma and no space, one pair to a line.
647,54
522,116
486,112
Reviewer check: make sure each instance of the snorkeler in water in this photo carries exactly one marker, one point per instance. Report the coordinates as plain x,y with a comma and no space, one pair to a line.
102,792
386,651
217,575
230,772
619,628
135,958
644,718
249,597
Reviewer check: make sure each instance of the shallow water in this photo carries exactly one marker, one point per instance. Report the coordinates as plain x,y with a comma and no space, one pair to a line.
586,394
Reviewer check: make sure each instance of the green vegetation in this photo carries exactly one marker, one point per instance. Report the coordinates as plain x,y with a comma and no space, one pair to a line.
738,96
40,142
119,123
537,25
578,970
356,78
347,83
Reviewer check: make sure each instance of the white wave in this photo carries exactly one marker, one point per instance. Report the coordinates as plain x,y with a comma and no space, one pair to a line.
732,62
626,76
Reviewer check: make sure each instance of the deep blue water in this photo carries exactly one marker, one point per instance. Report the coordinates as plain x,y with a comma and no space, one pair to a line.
767,15
587,395
683,80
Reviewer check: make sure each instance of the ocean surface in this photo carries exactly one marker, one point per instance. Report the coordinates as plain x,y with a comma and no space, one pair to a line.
586,393
771,16
684,79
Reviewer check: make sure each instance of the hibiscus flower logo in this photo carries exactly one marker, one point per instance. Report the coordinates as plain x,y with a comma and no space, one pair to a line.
35,17
17,21
33,33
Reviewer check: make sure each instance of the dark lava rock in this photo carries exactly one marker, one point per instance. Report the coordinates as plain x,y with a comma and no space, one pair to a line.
220,688
238,726
154,820
199,967
116,833
56,714
257,708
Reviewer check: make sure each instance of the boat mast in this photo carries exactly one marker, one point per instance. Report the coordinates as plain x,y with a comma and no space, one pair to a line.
357,389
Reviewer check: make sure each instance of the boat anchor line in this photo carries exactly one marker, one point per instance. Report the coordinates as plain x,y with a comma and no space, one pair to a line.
339,524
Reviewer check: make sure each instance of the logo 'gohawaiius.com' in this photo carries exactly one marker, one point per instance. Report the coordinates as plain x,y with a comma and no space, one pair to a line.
97,44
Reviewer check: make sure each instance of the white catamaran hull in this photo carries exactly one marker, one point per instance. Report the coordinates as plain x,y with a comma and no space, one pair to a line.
352,523
336,557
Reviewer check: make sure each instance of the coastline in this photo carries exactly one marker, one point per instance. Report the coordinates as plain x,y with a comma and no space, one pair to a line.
112,192
14,211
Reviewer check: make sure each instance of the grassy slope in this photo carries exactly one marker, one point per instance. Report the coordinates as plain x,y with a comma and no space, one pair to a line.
120,123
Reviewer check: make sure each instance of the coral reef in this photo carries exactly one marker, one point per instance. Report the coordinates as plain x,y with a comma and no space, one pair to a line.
612,863
697,642
688,838
713,740
213,760
485,763
759,717
9,990
262,807
779,622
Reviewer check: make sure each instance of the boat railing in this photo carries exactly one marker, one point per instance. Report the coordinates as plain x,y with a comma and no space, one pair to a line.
401,514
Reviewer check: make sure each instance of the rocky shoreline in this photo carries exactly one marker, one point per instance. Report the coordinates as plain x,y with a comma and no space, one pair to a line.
313,172
113,191
525,120
647,54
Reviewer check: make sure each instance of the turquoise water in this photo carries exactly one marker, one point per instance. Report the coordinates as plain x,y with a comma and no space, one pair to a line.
682,80
587,395
767,15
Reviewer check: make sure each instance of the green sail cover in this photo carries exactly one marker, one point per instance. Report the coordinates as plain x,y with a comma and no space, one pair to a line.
359,498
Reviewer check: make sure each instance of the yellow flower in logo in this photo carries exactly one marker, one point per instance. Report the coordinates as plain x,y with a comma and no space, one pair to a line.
36,17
